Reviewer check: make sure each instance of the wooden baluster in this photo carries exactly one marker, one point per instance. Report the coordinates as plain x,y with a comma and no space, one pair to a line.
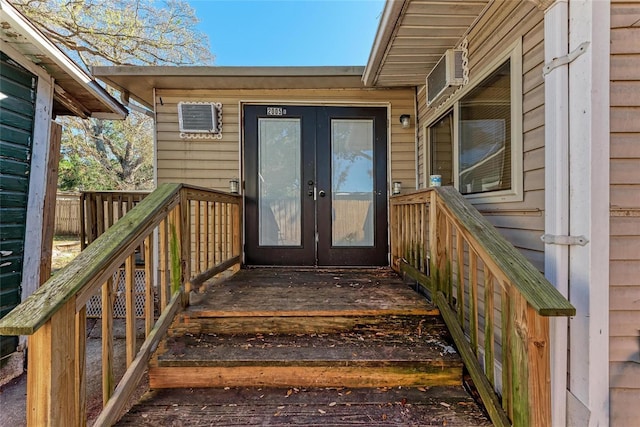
205,233
99,215
130,309
197,237
81,367
448,255
149,318
225,231
107,340
460,263
130,202
83,221
412,234
164,248
183,232
489,346
473,300
219,256
425,236
507,367
51,398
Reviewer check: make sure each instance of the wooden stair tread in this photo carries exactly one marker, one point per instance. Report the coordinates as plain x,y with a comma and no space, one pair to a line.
434,406
310,292
281,351
398,339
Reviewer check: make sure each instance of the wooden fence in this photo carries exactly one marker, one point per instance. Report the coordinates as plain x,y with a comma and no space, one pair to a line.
68,220
495,303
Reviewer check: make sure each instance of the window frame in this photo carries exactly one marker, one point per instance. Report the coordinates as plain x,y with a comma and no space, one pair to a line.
452,105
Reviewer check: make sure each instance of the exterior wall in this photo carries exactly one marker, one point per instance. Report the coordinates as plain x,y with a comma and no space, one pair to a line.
522,223
38,176
212,163
624,302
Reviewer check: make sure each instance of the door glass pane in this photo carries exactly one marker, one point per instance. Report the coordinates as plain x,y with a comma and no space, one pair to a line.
279,179
352,182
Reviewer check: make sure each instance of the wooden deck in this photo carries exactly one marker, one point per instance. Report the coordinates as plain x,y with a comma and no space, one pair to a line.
277,346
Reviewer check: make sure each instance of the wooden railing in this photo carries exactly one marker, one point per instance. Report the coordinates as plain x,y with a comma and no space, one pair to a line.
54,317
495,303
99,210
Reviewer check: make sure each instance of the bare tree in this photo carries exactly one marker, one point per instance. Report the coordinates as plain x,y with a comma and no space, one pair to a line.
99,154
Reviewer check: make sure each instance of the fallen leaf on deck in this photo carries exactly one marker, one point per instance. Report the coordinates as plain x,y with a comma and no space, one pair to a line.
333,403
281,407
321,411
446,405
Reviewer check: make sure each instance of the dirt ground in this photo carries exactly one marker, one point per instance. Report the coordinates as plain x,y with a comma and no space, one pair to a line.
65,249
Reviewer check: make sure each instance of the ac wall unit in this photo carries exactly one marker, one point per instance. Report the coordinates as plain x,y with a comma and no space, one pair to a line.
445,77
200,117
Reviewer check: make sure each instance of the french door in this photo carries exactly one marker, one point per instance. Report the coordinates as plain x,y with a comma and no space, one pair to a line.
315,185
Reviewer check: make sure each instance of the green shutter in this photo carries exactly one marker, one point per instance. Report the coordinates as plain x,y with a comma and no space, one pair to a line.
17,112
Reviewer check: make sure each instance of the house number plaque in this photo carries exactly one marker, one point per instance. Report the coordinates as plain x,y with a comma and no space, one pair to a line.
276,111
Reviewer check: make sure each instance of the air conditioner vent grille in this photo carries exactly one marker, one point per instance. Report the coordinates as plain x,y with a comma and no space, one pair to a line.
200,118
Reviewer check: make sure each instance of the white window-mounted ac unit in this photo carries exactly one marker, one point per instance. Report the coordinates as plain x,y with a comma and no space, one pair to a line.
446,76
200,117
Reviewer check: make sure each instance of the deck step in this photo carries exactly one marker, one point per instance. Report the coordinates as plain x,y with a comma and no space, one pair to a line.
436,406
393,351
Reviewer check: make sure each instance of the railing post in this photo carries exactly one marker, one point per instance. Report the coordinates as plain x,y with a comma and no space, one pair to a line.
51,382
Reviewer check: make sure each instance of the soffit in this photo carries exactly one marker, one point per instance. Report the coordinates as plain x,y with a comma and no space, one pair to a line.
413,37
139,82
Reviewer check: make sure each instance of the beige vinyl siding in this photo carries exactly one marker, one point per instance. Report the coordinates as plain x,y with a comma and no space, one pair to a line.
420,149
212,163
504,22
624,270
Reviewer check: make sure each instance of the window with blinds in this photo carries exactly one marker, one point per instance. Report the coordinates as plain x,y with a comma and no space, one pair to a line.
484,142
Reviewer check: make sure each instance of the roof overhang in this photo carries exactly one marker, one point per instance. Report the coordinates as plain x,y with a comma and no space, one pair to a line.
414,34
139,82
75,92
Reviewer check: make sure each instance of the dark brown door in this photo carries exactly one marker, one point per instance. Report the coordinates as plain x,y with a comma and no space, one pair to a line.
316,185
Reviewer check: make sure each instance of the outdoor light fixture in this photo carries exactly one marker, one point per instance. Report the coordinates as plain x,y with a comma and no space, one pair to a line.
397,187
234,186
405,119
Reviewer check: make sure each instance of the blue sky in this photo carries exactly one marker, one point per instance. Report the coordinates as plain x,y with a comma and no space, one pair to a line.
289,32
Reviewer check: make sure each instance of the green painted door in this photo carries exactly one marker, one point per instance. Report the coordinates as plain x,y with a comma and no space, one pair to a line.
17,112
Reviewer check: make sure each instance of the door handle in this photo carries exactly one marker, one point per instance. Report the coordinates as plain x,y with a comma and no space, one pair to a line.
322,193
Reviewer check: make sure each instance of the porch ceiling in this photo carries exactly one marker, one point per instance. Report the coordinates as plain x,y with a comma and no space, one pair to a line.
413,35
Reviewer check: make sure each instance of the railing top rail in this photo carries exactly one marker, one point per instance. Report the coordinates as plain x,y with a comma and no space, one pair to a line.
534,287
135,192
39,307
